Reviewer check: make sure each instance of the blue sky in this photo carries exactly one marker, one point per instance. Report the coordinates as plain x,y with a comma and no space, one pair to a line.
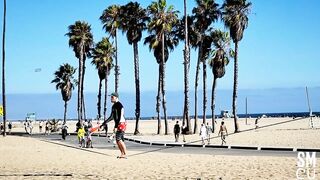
279,48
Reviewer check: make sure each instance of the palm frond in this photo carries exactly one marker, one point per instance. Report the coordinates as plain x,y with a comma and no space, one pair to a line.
63,80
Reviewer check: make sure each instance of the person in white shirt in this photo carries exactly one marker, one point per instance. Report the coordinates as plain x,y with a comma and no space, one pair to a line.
203,133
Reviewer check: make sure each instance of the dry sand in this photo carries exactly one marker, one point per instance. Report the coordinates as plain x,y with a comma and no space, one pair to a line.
23,156
273,132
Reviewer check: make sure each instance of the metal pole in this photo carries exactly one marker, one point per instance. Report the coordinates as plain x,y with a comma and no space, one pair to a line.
246,111
3,69
310,111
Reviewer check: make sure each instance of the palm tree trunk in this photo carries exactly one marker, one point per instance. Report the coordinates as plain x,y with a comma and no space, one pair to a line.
105,96
3,68
163,90
105,100
213,105
65,112
196,93
235,91
82,88
164,101
79,92
186,71
84,109
158,101
79,108
117,68
99,99
137,80
204,64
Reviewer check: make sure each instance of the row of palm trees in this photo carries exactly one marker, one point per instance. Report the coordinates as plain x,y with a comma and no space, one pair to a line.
165,30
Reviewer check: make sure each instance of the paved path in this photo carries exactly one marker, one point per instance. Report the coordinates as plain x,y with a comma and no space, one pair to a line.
101,143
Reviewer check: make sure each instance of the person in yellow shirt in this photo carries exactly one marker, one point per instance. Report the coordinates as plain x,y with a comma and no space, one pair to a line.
81,133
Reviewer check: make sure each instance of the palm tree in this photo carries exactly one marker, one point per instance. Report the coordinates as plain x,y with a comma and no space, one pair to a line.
235,17
186,27
163,20
206,49
3,67
186,66
219,59
102,55
81,40
111,19
133,24
171,41
205,14
65,82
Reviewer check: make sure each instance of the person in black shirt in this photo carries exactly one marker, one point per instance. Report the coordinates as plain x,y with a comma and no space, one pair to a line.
176,131
184,130
10,127
117,114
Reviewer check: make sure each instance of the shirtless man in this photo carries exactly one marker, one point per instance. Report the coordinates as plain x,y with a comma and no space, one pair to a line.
223,131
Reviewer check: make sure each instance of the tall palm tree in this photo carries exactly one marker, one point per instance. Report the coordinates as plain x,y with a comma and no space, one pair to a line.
108,69
171,41
111,19
221,55
186,32
81,40
235,17
103,55
3,67
65,82
163,20
133,24
186,66
102,75
205,14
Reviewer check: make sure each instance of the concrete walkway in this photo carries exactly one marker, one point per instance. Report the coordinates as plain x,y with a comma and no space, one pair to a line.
138,147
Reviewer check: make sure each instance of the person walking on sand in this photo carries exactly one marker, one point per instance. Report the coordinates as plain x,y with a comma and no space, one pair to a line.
1,128
47,128
176,131
184,130
224,132
40,126
209,131
117,114
203,133
64,131
10,127
256,122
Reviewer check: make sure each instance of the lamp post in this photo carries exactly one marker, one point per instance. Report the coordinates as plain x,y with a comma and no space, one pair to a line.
246,111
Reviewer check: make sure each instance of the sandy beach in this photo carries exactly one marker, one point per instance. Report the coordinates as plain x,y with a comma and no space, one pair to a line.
274,132
33,158
30,158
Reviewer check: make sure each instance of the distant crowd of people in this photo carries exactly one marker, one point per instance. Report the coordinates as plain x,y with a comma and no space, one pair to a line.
205,132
